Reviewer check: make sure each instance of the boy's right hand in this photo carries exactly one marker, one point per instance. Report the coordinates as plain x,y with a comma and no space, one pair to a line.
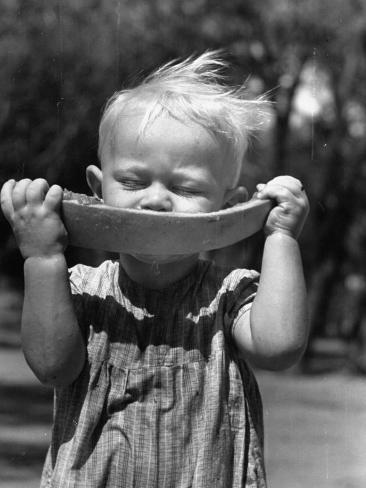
33,210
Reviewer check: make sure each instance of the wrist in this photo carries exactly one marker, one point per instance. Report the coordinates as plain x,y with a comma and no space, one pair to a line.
45,260
281,233
281,236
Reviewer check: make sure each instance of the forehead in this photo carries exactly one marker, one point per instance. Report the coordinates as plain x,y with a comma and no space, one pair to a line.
140,129
136,132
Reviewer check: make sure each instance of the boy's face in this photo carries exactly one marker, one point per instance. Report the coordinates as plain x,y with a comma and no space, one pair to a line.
172,166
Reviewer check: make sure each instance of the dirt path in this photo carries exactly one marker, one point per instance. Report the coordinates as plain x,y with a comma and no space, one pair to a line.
315,426
315,430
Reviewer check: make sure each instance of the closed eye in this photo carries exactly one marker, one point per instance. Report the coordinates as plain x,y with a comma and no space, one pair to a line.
186,191
132,184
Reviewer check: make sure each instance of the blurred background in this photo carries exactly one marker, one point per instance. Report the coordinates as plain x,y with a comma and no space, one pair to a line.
62,59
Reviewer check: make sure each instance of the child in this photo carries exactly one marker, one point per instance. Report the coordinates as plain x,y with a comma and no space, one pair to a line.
150,366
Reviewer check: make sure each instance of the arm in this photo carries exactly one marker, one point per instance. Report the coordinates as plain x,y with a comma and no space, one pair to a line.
273,335
52,341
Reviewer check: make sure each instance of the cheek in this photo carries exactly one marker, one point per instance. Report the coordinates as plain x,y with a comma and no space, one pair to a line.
115,197
215,202
204,205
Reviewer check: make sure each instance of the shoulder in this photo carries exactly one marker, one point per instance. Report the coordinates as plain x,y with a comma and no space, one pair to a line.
232,289
228,279
90,279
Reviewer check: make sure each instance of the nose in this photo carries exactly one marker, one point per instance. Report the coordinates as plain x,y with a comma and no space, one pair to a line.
156,197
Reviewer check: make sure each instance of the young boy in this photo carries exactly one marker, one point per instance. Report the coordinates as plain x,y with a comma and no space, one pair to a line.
151,376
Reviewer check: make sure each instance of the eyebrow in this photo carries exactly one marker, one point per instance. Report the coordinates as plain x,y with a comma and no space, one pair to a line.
130,167
136,165
193,173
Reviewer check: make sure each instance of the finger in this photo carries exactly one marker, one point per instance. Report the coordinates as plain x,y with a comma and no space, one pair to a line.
19,190
36,191
53,198
277,192
286,180
289,182
6,199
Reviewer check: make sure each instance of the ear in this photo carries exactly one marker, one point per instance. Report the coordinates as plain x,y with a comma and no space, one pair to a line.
235,196
94,178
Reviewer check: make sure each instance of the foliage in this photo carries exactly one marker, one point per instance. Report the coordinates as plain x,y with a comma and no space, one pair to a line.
62,59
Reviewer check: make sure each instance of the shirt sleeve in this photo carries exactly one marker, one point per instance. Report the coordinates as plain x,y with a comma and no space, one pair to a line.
77,279
244,285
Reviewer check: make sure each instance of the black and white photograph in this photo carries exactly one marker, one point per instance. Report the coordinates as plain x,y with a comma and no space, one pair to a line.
182,244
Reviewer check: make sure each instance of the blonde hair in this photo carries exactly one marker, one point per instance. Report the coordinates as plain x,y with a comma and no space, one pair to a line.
191,89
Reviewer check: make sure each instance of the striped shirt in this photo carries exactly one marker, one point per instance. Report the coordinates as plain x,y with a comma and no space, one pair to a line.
163,400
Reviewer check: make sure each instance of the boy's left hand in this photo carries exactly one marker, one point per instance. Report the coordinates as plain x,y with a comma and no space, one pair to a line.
292,205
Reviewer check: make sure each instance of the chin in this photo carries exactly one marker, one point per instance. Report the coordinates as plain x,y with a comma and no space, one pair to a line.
157,259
